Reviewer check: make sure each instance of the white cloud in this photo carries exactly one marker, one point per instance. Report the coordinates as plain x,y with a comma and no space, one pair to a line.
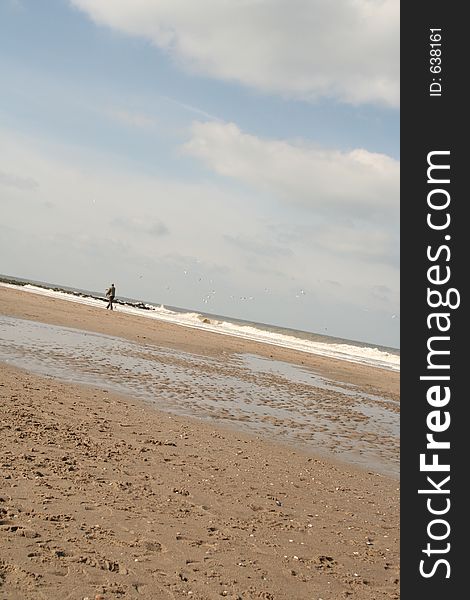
357,183
347,49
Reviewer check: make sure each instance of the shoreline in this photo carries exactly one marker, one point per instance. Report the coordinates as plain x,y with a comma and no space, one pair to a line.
24,305
336,348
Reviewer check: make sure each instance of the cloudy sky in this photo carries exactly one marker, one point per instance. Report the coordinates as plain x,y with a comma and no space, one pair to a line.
237,157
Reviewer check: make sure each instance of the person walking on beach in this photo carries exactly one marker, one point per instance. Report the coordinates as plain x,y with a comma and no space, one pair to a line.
110,294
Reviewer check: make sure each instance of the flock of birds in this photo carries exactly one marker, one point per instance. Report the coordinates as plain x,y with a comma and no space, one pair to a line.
210,295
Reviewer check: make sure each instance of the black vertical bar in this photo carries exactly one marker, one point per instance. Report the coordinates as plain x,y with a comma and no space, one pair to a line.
434,118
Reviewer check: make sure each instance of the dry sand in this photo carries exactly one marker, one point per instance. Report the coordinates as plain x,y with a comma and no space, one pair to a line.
102,496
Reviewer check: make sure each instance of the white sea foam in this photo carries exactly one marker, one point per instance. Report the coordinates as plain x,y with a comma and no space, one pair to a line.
349,352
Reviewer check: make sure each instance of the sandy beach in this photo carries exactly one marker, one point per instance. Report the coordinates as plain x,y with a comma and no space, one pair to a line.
171,491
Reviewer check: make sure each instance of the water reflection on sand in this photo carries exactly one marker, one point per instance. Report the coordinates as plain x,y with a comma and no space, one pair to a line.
267,397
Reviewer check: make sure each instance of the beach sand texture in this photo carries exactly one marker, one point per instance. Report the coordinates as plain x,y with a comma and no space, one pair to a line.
104,496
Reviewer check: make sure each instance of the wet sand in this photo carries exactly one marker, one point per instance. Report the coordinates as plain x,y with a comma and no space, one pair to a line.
104,495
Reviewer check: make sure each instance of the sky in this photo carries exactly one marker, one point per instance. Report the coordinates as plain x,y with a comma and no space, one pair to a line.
234,157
